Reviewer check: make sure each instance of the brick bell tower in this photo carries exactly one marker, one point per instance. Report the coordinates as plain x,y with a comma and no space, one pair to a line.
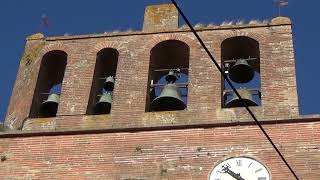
98,107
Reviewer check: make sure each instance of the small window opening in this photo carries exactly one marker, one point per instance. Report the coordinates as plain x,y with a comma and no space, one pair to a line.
47,93
168,77
100,100
241,62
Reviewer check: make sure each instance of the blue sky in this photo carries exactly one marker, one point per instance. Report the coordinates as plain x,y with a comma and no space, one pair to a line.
20,18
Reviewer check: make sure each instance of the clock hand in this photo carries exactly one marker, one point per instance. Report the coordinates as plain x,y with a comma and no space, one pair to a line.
226,169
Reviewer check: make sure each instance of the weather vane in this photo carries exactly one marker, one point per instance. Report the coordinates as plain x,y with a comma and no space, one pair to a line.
44,20
44,24
280,4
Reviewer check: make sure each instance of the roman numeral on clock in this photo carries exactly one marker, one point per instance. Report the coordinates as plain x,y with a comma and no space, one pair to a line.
239,162
258,170
262,178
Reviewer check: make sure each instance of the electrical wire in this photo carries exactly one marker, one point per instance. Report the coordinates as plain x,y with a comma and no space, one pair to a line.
233,88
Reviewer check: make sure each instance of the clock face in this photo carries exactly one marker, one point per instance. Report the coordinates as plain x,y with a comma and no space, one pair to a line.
240,168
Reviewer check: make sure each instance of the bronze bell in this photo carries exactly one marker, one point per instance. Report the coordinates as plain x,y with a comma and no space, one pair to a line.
246,96
103,106
172,76
168,100
241,72
50,106
108,84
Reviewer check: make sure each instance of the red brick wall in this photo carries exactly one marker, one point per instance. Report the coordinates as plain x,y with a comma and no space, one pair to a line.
167,154
279,96
152,153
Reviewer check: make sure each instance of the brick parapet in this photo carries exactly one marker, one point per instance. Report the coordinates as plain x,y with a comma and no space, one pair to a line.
181,30
166,120
278,82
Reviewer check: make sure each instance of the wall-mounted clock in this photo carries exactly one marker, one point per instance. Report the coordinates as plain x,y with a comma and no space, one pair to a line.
240,168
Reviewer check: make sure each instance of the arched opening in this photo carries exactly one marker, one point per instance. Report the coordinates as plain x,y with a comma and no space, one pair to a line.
171,56
48,88
241,61
103,82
